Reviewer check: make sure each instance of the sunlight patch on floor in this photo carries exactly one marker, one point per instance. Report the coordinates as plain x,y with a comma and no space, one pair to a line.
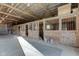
28,49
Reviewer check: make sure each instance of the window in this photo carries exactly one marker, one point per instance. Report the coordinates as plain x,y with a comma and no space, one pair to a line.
52,25
69,24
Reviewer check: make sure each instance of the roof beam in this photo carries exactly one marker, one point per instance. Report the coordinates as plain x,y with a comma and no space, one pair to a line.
1,7
11,15
9,21
16,9
11,10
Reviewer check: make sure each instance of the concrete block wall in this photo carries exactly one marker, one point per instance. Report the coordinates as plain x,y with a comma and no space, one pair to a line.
63,37
54,35
68,38
65,9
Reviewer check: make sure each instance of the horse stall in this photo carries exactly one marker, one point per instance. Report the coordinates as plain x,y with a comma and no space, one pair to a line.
51,30
33,30
64,30
22,30
41,29
15,30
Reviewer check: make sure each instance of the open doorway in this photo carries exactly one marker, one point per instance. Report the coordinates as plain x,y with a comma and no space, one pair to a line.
41,30
26,30
19,30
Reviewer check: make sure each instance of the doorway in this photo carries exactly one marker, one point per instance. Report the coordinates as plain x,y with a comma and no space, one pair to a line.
26,30
19,30
41,30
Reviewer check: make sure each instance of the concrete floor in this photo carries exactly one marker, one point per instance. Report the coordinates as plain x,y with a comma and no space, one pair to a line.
54,49
9,46
46,49
12,45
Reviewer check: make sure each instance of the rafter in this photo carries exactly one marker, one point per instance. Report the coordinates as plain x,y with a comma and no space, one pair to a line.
1,7
9,21
16,9
11,10
11,15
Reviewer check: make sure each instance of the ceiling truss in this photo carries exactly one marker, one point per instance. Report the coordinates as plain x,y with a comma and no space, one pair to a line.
17,12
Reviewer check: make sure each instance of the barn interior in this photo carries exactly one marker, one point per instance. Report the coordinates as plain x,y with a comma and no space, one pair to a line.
39,29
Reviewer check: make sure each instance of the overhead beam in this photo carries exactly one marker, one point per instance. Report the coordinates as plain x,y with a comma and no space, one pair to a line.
16,9
11,10
1,7
11,15
9,21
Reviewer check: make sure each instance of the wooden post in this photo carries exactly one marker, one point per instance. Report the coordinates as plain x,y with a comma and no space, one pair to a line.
60,23
77,29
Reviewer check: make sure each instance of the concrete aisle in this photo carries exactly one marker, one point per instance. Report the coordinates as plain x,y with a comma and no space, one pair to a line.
12,45
46,49
9,46
52,49
38,48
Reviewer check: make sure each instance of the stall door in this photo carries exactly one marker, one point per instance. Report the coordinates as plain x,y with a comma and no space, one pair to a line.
19,30
41,30
26,30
